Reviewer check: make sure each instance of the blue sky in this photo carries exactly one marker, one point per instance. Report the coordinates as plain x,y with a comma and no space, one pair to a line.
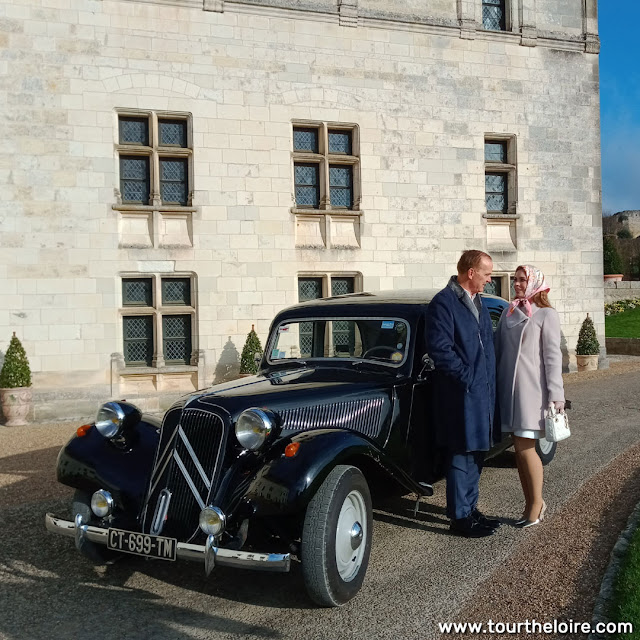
620,104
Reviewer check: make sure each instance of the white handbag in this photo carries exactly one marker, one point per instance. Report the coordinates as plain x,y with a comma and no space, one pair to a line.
556,425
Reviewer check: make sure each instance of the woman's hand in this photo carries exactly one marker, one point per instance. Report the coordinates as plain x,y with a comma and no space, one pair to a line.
559,406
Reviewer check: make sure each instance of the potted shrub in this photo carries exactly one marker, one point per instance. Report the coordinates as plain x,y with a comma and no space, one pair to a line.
588,347
251,354
611,260
15,384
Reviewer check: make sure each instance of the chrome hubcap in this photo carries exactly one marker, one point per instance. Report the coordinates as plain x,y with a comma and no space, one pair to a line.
356,535
350,534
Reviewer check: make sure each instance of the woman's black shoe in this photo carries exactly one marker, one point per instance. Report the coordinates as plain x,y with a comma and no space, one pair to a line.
492,523
470,528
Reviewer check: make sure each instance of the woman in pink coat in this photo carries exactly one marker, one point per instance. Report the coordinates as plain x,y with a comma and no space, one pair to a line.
529,378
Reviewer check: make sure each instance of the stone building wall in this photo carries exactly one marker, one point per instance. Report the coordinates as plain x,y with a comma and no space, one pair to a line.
423,96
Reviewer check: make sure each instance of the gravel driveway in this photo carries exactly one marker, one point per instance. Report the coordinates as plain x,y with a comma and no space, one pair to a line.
418,574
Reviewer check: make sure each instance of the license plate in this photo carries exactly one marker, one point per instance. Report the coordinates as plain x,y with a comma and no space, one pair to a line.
142,544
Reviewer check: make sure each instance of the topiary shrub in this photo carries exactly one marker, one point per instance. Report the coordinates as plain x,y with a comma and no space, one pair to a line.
15,370
588,344
251,347
611,260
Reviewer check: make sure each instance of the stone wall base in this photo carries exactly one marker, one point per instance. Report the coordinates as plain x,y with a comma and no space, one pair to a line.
623,346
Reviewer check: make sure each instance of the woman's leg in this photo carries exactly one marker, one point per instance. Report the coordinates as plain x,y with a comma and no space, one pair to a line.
524,483
530,467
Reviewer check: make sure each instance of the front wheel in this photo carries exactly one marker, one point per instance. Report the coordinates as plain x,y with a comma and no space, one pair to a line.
546,450
336,537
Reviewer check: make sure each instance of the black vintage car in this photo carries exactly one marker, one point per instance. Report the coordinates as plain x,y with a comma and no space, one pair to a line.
276,467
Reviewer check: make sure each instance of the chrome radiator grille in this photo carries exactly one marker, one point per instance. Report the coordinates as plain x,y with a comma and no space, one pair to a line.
357,415
188,467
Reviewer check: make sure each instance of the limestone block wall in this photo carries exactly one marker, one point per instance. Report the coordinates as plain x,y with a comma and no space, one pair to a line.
423,99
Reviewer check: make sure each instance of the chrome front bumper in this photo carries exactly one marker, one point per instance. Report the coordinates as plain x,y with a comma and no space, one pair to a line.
209,554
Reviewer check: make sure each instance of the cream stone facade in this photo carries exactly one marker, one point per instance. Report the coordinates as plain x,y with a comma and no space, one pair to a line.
420,87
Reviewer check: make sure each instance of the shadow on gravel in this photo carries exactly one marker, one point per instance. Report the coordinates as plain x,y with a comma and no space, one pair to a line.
50,591
400,512
33,477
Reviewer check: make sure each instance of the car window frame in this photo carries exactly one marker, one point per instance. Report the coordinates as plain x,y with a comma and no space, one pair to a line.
394,365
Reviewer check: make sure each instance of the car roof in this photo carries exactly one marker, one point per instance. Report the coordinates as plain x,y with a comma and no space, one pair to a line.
414,300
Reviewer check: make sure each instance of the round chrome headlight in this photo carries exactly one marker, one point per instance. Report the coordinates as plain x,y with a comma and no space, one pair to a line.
212,521
110,419
102,503
253,427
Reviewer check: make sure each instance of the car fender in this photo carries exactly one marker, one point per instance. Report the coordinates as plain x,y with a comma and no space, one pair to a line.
92,462
285,485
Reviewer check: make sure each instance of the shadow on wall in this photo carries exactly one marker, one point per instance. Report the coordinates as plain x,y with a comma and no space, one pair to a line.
564,347
1,358
228,366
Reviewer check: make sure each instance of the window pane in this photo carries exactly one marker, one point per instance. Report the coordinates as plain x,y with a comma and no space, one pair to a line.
137,292
495,152
342,286
306,179
493,15
340,142
340,180
134,130
173,132
138,339
134,179
173,180
305,140
496,192
494,287
176,332
176,291
309,289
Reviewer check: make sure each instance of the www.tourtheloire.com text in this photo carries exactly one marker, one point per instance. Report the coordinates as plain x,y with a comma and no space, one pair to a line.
534,626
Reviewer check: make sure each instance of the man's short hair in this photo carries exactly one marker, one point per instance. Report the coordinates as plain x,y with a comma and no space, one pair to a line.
471,259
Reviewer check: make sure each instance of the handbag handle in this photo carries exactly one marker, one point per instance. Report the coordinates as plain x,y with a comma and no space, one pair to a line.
552,409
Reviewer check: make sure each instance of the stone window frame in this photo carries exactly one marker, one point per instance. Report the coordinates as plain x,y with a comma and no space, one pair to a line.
327,277
509,169
155,211
157,310
324,159
506,283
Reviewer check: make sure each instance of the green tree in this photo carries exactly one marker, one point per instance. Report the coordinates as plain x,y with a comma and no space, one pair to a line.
588,344
15,370
251,347
612,262
624,233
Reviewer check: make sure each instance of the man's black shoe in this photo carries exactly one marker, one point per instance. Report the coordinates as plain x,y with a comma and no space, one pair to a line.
470,528
492,523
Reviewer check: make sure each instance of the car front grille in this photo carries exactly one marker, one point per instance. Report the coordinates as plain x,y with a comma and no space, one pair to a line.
187,468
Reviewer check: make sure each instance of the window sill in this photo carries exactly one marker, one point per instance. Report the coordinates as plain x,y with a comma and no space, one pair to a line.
147,207
176,368
333,212
501,216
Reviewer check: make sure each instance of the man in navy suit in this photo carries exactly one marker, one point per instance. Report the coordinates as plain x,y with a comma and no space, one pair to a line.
460,342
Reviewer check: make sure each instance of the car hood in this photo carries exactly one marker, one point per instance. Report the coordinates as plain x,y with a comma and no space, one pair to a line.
290,391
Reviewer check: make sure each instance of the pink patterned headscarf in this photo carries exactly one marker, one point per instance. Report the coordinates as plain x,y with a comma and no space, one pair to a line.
535,284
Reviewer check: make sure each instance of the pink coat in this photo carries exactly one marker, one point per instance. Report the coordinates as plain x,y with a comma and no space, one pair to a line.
529,367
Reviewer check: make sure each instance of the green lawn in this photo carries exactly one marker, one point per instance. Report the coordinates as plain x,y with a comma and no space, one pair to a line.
626,603
623,325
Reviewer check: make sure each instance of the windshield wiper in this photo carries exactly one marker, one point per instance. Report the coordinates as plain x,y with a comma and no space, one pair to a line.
287,363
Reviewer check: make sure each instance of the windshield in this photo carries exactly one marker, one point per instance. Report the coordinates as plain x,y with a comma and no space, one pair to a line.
381,340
